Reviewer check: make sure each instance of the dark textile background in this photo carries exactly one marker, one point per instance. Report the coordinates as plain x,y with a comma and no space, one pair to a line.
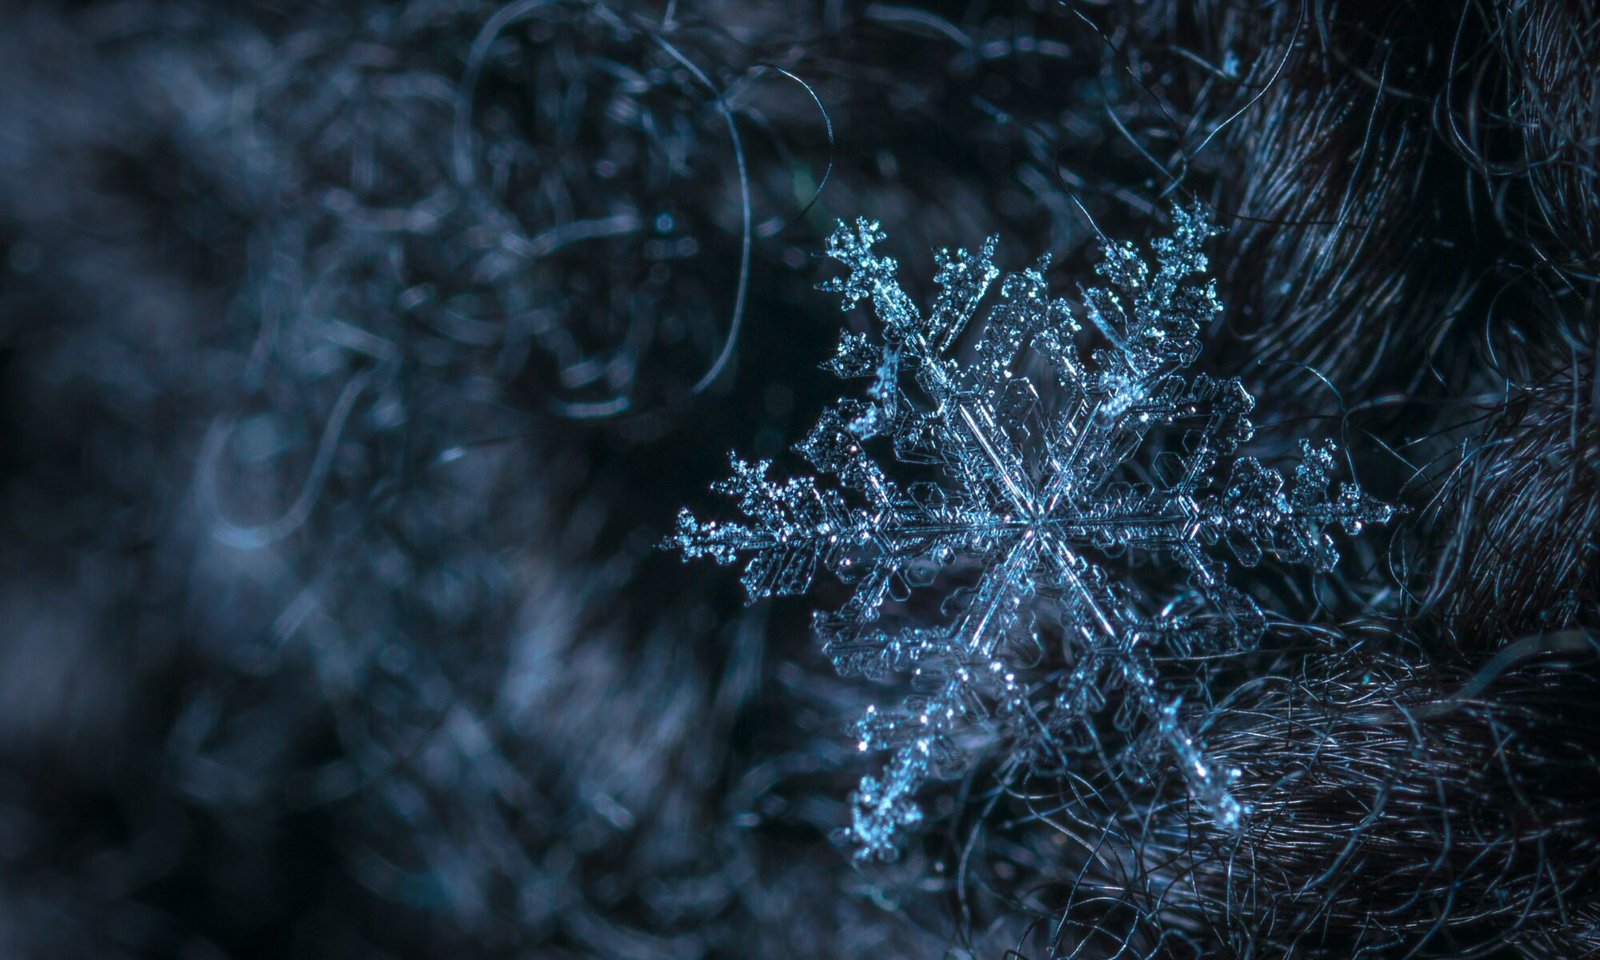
349,357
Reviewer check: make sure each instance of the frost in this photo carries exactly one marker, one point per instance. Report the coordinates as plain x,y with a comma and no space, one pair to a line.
1050,480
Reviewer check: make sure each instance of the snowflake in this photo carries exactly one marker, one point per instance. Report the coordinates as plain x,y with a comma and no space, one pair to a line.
1039,498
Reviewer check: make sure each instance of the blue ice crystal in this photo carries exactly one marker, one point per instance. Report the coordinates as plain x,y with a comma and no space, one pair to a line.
1040,496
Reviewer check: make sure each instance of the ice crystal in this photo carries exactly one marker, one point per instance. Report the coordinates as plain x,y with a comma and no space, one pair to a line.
1039,508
